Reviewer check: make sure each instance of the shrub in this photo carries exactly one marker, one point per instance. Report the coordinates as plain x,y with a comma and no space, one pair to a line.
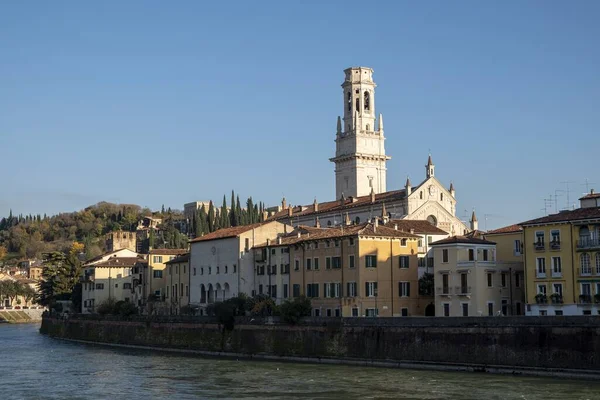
225,313
106,307
265,307
125,309
292,311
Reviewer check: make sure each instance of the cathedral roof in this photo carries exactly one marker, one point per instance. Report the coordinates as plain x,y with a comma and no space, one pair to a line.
226,232
416,225
339,205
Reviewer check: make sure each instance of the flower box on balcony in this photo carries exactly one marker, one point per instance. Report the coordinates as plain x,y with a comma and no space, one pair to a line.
555,245
556,298
541,298
539,245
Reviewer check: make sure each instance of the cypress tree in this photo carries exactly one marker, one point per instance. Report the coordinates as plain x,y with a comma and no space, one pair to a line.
256,214
250,210
233,215
211,217
238,211
202,222
225,223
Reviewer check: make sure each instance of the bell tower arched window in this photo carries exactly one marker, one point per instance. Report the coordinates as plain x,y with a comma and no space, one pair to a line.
358,104
367,101
349,101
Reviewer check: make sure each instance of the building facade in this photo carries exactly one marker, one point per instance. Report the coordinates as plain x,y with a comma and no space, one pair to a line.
364,270
468,281
222,262
177,291
562,262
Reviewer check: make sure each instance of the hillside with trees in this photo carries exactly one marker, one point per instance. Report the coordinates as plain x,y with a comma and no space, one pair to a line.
30,236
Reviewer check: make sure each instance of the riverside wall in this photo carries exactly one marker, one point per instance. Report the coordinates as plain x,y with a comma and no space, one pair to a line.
507,344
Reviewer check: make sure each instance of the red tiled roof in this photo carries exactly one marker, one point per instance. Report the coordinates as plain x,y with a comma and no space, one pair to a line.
227,232
419,226
566,216
182,258
590,196
120,262
461,239
167,252
507,229
336,205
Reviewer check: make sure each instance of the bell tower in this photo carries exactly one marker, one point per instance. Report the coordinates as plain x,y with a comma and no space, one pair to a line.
360,160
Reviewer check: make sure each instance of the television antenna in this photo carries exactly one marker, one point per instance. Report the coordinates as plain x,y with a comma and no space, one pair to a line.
587,185
568,191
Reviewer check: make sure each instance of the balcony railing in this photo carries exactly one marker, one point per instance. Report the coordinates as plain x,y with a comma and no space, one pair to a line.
556,298
539,245
557,274
444,290
588,243
540,274
584,271
555,245
541,298
585,299
463,290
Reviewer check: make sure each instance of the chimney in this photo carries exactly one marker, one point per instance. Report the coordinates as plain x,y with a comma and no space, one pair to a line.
279,240
315,205
348,222
268,242
290,211
412,231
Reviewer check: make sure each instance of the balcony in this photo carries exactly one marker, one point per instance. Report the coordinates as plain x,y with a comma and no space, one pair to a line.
556,298
540,274
444,290
555,245
585,299
539,246
463,290
584,271
541,298
587,243
557,274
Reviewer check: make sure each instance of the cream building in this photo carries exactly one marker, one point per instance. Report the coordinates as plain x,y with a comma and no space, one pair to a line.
222,262
102,273
272,269
177,290
360,173
468,281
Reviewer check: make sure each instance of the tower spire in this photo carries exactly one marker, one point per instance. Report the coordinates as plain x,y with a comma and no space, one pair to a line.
408,186
339,125
430,168
474,222
380,122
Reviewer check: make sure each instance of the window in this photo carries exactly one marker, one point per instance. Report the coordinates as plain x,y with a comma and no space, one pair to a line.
541,289
354,309
429,239
296,290
260,289
586,267
586,289
518,309
170,269
597,263
272,251
157,259
445,286
296,265
517,280
503,279
404,261
234,268
316,245
351,289
336,262
371,261
328,313
490,281
351,242
518,247
351,261
332,290
218,268
557,288
555,236
116,285
471,254
316,263
225,269
539,239
157,273
337,243
202,271
312,290
556,267
441,196
485,254
209,270
371,289
504,307
543,313
327,262
446,309
421,195
445,255
403,242
99,286
194,271
285,290
317,312
429,262
372,312
558,312
464,284
273,290
465,309
404,289
491,309
308,264
127,286
587,312
541,267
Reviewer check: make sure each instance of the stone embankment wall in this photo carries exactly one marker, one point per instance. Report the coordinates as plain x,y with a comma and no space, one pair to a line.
538,343
21,316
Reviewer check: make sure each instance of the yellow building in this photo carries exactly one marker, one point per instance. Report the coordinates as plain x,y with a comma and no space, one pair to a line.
155,280
177,291
358,270
562,262
509,258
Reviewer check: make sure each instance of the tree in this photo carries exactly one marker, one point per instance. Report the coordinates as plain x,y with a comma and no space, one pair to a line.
238,210
211,217
292,311
225,223
233,215
59,277
2,252
151,238
426,284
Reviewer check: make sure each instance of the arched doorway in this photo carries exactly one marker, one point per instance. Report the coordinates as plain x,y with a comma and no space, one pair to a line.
202,294
430,310
432,220
211,293
226,292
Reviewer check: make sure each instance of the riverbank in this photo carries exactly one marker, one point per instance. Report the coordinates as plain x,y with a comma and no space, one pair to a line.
26,316
549,346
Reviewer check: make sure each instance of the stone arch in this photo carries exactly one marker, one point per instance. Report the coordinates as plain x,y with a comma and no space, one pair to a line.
202,293
218,292
430,310
226,291
211,293
432,220
329,223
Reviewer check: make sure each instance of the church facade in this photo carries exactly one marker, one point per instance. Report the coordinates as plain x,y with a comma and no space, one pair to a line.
360,173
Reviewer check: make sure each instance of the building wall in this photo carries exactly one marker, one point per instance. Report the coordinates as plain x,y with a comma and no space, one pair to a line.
278,257
156,282
121,240
178,279
108,282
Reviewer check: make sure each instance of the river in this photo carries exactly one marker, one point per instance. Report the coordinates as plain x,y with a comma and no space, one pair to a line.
33,366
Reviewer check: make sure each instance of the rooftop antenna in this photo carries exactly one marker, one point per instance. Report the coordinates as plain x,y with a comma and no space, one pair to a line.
587,185
568,192
547,204
556,194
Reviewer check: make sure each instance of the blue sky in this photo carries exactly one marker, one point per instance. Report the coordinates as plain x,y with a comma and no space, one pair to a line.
163,103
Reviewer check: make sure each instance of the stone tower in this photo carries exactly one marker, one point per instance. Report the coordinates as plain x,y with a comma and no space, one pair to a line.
360,160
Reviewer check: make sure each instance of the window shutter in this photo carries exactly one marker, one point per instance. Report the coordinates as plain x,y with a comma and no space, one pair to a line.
366,288
375,288
399,289
408,289
348,289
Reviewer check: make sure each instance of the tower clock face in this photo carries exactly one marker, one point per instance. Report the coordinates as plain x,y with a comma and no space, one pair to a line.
432,190
213,250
